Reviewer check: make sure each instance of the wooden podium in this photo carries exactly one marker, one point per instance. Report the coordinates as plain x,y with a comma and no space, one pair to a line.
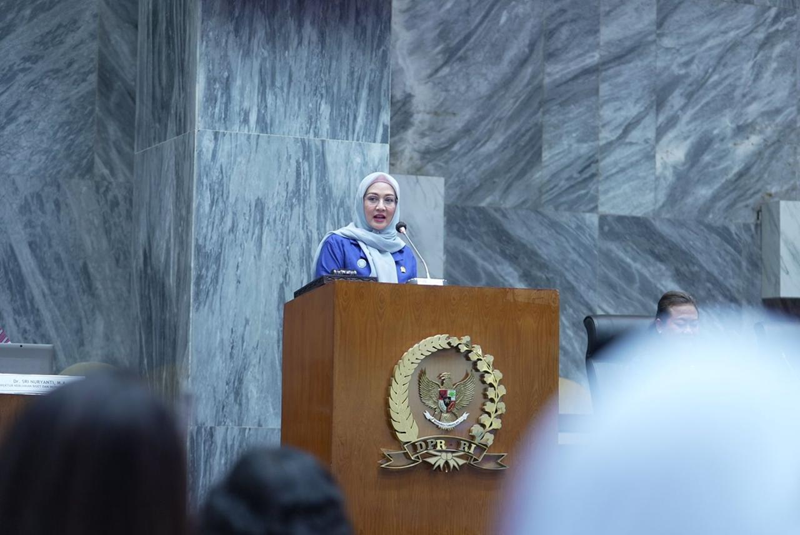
340,346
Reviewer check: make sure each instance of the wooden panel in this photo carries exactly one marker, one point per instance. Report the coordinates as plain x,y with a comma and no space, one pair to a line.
11,406
306,411
376,324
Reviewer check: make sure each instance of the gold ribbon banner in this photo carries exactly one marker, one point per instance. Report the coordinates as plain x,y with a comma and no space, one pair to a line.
412,453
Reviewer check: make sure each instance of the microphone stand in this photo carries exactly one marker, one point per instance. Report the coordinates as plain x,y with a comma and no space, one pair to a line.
427,281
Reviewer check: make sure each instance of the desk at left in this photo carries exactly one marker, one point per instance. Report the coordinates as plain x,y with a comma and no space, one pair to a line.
17,390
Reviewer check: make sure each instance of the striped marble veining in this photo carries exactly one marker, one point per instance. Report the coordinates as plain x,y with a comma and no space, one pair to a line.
296,68
627,107
65,263
213,451
568,181
40,24
467,97
727,109
162,253
422,208
640,259
529,249
166,82
262,205
787,4
116,107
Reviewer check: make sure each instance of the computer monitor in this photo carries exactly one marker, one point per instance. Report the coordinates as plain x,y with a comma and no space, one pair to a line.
36,359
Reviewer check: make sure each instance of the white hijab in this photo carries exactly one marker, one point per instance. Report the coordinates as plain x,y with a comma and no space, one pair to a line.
378,245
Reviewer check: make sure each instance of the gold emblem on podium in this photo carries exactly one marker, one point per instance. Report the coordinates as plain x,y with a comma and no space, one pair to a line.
446,406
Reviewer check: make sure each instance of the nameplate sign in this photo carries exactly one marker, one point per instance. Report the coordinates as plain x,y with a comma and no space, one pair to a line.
33,385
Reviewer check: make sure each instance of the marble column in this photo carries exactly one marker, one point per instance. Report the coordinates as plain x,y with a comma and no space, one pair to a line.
163,191
264,118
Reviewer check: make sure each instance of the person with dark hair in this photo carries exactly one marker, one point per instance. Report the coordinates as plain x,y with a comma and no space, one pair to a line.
100,455
275,492
677,314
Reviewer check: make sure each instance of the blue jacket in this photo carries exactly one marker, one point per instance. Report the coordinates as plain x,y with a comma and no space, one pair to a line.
344,253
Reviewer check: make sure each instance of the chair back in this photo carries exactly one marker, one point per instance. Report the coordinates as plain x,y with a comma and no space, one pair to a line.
602,332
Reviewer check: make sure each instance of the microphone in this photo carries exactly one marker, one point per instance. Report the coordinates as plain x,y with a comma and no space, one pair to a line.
402,228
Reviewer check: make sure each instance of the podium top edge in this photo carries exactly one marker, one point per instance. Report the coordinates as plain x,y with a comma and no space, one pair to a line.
385,286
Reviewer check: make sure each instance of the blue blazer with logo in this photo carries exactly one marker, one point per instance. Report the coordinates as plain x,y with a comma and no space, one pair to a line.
345,253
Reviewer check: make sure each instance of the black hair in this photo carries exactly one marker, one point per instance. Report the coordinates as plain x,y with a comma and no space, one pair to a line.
275,492
101,455
671,299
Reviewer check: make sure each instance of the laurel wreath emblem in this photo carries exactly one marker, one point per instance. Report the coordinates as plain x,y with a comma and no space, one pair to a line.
400,411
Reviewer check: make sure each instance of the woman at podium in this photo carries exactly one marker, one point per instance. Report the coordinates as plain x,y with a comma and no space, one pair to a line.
370,245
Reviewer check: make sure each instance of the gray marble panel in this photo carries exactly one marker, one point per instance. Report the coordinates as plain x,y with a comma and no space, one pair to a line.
571,108
627,107
296,68
422,207
162,253
116,108
467,97
42,24
167,66
65,265
727,109
529,249
780,247
787,4
640,259
214,450
262,205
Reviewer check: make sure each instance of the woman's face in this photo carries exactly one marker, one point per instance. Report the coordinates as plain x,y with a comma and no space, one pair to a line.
380,203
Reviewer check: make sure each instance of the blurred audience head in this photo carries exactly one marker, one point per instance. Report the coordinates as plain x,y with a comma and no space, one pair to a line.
275,492
677,314
100,455
707,444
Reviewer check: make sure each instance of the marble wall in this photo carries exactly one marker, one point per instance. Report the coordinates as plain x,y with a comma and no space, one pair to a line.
422,208
295,68
166,62
66,90
255,126
613,149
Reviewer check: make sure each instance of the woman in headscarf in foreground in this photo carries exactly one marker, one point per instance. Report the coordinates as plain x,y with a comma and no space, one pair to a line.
370,245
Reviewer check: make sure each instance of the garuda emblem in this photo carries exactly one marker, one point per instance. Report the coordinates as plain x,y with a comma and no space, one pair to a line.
446,399
446,404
